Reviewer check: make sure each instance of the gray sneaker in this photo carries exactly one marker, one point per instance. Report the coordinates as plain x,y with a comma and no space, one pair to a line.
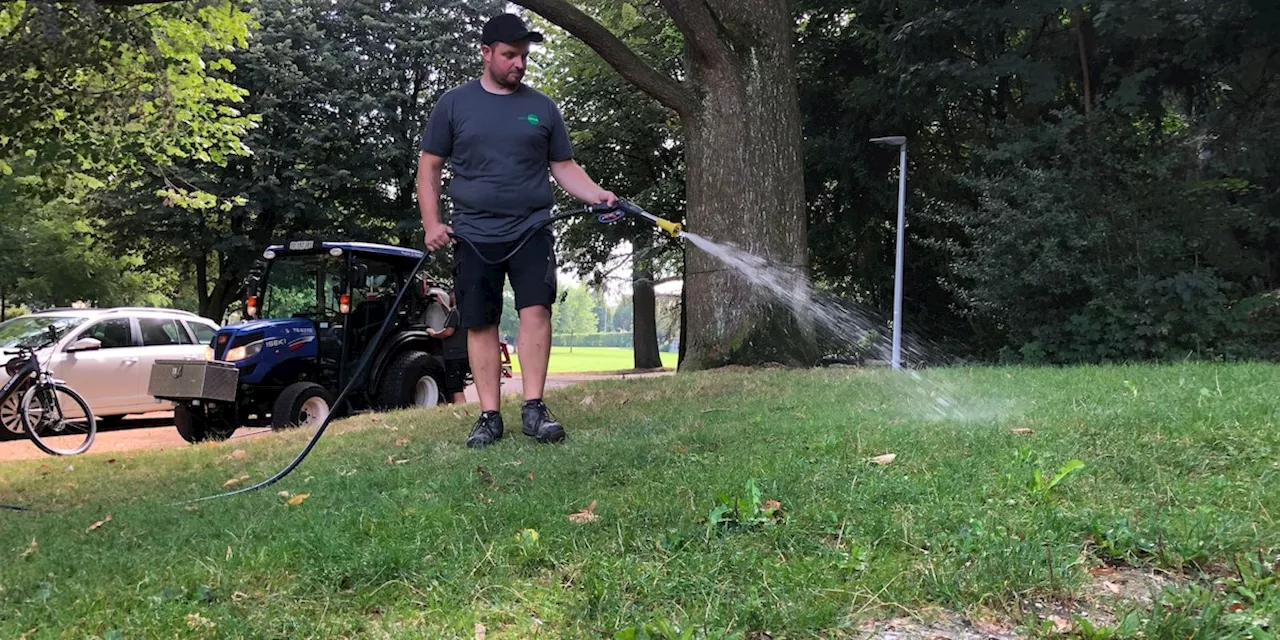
487,431
536,421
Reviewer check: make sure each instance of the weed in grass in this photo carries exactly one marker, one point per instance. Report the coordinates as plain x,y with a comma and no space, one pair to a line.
1038,486
663,629
738,513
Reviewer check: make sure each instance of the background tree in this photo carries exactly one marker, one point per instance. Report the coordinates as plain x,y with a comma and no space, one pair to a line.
95,93
343,90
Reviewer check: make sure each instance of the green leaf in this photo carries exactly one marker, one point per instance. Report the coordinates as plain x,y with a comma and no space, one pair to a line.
1066,470
630,17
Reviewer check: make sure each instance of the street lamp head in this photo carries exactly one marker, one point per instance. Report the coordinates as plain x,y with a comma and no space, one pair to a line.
893,141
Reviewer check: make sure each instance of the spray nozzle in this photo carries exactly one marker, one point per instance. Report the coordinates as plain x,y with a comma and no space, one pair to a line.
673,228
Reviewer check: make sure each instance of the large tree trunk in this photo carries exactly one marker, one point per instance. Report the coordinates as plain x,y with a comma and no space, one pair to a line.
740,114
745,185
644,308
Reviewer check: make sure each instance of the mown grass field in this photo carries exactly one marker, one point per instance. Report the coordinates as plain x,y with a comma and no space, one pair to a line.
730,503
592,360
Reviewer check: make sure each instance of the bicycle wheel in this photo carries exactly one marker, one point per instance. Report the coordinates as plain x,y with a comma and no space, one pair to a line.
58,420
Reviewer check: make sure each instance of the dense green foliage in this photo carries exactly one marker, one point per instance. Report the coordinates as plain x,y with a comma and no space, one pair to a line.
1087,181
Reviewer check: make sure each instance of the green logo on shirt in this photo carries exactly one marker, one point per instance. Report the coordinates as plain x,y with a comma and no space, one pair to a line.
532,118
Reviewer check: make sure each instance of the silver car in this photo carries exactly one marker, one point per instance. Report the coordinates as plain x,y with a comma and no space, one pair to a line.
105,354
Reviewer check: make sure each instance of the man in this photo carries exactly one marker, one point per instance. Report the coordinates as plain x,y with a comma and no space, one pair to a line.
502,138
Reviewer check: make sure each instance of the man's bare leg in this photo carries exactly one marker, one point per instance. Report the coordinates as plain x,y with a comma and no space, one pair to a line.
535,351
486,365
534,343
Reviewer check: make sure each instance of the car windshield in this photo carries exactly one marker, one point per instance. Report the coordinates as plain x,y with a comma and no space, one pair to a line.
32,332
303,286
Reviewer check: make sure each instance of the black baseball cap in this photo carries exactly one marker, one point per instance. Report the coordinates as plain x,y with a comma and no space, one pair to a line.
509,28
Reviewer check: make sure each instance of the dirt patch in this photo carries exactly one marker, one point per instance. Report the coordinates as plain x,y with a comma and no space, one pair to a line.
1110,593
942,626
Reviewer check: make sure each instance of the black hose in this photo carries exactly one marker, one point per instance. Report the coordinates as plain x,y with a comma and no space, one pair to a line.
601,210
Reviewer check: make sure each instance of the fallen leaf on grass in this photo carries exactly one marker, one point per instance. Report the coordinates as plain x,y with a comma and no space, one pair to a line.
1111,586
884,459
283,494
1021,432
235,481
1060,624
401,442
30,549
480,631
235,455
530,476
297,500
1236,607
586,515
514,463
485,476
99,523
771,505
394,460
588,401
191,507
197,621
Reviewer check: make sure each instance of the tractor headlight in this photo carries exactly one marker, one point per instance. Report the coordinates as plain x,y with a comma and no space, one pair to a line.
246,351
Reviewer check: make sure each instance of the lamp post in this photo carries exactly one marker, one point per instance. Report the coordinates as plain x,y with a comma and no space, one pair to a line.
901,143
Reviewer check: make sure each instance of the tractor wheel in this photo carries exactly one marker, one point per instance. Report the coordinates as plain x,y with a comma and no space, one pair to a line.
198,424
414,379
301,404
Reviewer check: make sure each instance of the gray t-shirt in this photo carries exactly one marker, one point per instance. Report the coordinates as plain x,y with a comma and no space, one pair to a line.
499,147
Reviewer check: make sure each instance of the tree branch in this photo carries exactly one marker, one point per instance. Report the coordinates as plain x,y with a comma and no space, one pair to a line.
700,28
663,88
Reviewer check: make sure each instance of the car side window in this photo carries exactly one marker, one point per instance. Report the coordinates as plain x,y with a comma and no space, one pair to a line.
113,333
204,333
159,332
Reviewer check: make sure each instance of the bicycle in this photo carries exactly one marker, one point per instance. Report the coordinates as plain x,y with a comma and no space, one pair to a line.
42,407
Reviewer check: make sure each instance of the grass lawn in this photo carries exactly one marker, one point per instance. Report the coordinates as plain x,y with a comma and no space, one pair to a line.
728,502
592,359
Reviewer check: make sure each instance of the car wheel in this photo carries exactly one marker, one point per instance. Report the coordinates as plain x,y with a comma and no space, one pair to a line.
414,379
200,424
301,404
10,421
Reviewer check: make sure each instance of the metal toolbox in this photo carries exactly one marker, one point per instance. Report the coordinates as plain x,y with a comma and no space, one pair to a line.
193,379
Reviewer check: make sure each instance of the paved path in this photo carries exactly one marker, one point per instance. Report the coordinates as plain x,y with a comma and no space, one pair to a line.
156,431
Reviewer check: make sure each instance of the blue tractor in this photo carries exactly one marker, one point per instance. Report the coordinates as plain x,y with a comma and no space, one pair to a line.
313,311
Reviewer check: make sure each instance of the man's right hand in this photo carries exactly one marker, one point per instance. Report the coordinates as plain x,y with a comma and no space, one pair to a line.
437,236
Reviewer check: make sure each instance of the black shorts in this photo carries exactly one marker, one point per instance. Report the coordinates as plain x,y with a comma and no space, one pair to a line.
532,271
455,375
